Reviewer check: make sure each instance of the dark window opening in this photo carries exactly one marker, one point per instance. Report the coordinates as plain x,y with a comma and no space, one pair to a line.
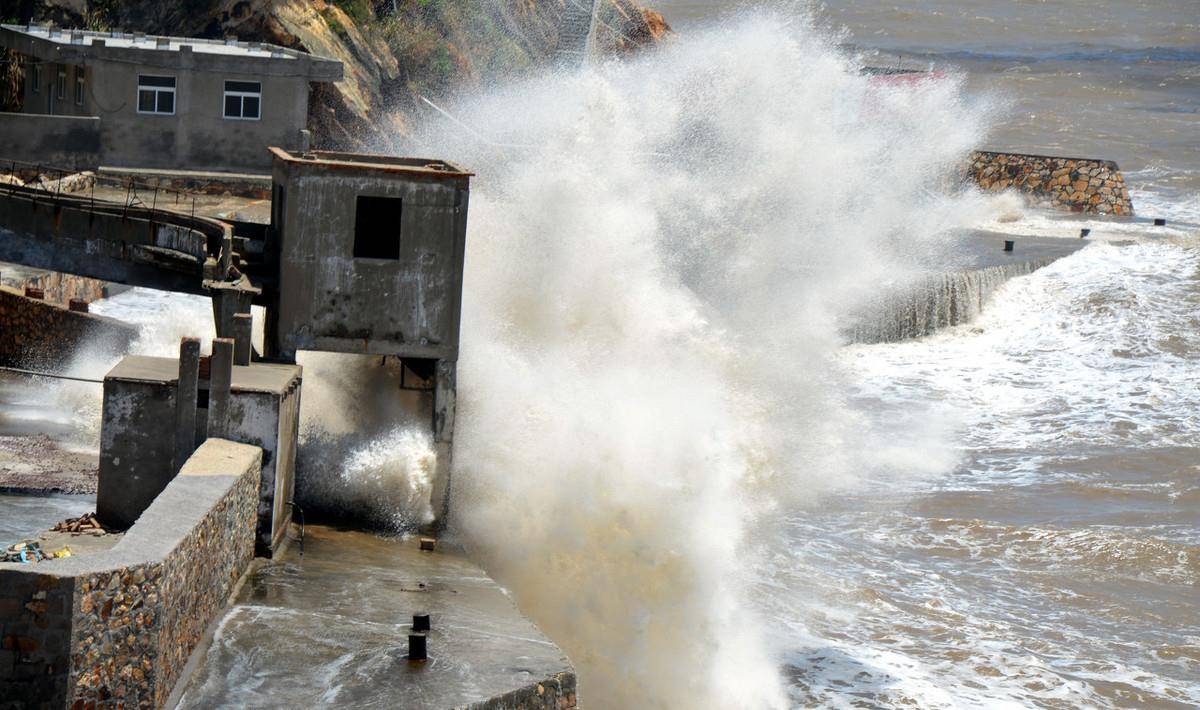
377,228
156,94
243,100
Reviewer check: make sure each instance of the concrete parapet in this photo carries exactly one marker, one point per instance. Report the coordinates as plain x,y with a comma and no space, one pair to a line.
117,627
1075,184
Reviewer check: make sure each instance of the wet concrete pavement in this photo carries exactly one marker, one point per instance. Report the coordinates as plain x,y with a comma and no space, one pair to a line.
330,627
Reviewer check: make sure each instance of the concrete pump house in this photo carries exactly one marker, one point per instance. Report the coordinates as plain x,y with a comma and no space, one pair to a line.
133,100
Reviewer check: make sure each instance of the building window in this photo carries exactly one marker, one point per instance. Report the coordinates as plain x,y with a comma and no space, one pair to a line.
156,94
35,77
79,85
243,100
60,87
377,228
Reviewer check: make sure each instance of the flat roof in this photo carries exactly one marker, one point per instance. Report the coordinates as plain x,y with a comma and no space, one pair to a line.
430,167
97,44
257,377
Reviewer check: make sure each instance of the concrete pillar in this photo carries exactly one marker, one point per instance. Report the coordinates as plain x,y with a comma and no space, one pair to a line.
444,401
243,326
185,400
219,382
228,301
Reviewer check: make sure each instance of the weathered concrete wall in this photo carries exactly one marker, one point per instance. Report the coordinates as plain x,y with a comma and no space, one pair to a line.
1075,184
35,333
137,449
115,628
197,135
61,141
330,300
137,437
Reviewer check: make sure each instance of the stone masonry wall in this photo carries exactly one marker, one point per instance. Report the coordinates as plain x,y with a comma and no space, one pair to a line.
36,333
116,628
1074,184
61,288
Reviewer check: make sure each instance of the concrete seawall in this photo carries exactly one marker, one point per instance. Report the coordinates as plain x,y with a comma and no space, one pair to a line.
1075,184
956,292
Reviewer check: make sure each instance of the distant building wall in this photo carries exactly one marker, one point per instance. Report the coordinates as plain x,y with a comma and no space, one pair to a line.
116,628
184,124
1075,184
197,136
61,141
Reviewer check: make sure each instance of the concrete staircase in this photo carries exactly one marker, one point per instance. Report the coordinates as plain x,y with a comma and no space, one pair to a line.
575,31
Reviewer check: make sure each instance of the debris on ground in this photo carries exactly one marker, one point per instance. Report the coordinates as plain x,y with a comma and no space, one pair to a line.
86,524
31,552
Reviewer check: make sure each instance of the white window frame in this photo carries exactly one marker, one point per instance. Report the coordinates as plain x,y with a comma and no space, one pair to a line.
173,90
242,101
60,84
80,87
35,77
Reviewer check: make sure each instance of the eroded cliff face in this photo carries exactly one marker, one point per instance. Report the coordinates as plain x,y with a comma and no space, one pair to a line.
394,51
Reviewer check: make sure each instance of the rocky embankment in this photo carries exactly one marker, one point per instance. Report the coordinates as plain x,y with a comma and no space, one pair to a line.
394,51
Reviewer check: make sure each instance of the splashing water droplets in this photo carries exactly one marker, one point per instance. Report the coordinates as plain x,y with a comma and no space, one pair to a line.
651,306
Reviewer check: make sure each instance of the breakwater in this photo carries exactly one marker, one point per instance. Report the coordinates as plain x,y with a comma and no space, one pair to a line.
935,301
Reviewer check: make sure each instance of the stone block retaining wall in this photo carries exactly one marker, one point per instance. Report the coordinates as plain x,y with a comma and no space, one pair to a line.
115,628
1075,184
37,333
60,288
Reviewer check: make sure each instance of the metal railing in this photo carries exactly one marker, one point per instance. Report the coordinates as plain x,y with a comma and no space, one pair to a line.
167,206
173,199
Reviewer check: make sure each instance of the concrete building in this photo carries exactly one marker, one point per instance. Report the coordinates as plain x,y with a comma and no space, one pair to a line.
368,259
140,453
132,100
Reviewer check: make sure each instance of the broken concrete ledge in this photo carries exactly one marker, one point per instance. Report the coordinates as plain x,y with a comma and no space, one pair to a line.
118,626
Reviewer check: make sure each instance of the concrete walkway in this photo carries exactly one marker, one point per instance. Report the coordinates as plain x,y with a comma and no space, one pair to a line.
330,628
